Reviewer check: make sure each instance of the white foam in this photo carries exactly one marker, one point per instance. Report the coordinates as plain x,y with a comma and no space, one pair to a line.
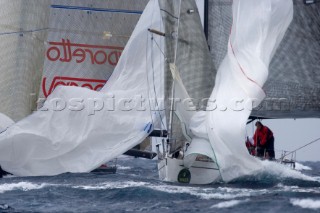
25,186
224,193
228,204
283,171
301,167
111,185
282,188
124,167
306,203
210,193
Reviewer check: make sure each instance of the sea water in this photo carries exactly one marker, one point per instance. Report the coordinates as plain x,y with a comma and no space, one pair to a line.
136,188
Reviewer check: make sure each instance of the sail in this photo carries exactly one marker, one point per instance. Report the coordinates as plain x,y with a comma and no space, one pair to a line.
78,129
241,76
85,43
23,31
191,56
292,88
58,33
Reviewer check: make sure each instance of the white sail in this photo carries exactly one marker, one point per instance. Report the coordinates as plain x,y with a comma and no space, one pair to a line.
240,79
79,129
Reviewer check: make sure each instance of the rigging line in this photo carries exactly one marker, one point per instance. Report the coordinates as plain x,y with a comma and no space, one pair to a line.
169,13
166,60
165,57
147,75
153,74
318,139
154,86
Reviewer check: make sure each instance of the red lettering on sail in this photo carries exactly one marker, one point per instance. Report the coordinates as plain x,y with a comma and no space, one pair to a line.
66,51
93,84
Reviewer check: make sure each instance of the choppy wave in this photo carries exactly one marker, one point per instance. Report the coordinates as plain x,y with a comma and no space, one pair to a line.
138,189
205,193
306,203
283,188
124,167
24,186
283,171
301,167
224,193
228,204
274,173
111,185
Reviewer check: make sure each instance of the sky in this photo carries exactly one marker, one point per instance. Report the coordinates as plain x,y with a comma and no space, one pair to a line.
291,134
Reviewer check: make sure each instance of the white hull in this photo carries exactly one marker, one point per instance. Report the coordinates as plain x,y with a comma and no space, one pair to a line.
200,172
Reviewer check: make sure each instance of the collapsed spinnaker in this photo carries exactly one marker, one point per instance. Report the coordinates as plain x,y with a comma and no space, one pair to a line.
78,129
257,30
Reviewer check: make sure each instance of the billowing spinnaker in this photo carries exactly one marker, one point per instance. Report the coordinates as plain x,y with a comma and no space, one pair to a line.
258,28
79,129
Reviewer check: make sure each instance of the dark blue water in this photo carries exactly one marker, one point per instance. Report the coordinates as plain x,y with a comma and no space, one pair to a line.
136,188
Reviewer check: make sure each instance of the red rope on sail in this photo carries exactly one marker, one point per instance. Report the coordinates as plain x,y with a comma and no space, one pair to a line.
242,70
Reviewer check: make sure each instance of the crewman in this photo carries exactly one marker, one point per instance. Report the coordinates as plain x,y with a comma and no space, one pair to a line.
264,141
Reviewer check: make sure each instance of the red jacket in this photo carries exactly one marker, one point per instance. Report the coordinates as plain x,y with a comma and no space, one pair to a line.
250,148
262,135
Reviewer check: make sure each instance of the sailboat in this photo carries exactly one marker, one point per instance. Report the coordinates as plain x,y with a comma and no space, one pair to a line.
207,148
252,61
165,67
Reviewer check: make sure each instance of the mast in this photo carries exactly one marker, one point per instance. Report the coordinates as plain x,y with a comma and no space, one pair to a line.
191,57
172,106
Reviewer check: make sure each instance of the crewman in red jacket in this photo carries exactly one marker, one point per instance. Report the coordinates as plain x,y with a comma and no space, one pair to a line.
264,141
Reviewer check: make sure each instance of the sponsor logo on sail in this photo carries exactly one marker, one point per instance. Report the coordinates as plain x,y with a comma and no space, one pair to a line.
93,84
67,51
